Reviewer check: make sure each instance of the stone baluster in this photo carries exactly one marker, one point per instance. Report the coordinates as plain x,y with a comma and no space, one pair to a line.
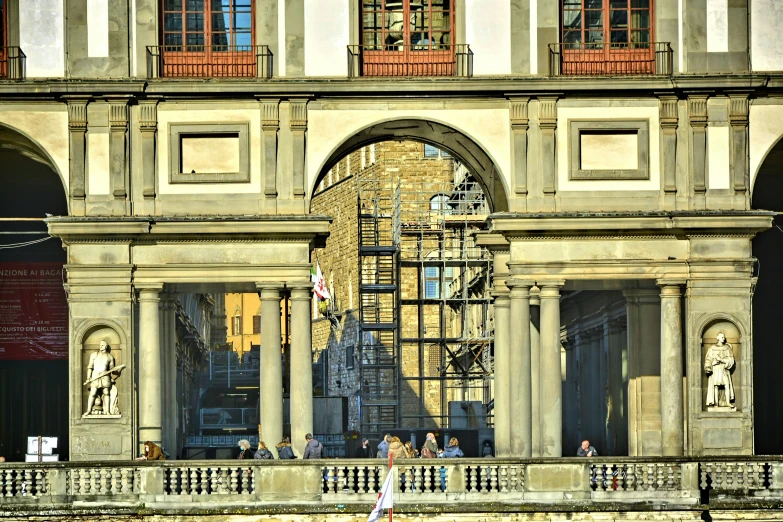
246,472
503,479
473,479
329,480
234,480
215,481
371,479
484,470
417,479
204,480
493,478
427,486
360,480
340,479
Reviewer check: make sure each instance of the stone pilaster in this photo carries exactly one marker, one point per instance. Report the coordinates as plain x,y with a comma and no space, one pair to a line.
547,121
697,115
551,385
502,398
738,165
298,124
118,130
271,386
672,407
77,131
520,369
669,117
148,126
519,126
270,125
301,399
150,375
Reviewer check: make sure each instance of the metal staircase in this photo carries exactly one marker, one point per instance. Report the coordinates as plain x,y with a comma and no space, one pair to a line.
379,246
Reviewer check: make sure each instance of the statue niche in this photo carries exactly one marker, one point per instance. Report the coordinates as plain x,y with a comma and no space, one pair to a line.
102,371
719,344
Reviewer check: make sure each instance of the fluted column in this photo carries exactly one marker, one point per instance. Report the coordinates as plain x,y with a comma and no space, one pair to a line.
502,375
271,385
150,374
519,367
535,370
672,408
301,366
551,384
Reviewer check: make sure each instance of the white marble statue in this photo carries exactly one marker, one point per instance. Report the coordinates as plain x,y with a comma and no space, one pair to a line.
101,377
718,363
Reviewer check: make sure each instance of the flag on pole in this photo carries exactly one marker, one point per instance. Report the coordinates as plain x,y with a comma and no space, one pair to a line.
319,285
385,498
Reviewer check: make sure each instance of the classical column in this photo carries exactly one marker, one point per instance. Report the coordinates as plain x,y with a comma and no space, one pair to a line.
502,375
672,407
171,402
551,377
535,371
301,403
519,367
150,375
271,364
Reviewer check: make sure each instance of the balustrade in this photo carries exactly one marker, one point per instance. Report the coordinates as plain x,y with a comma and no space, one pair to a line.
348,481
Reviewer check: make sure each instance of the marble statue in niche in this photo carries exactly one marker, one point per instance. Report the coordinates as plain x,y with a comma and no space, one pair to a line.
718,364
102,375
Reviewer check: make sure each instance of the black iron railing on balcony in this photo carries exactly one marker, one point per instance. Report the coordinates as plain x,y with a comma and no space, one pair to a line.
410,60
13,63
601,59
209,61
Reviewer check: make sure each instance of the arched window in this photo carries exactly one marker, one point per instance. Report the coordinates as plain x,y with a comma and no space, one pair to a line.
439,203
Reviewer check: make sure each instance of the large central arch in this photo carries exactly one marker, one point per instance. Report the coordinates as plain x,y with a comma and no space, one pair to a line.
459,145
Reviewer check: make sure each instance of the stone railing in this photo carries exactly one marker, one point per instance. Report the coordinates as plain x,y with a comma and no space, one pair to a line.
352,484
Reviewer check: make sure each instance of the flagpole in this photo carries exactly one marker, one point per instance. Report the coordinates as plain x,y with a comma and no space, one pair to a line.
391,470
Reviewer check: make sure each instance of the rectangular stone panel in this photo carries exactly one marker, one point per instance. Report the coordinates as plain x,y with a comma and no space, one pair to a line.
608,151
722,438
210,154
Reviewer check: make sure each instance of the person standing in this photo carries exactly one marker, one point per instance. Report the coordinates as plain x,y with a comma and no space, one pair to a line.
430,448
363,451
284,451
263,452
244,450
313,449
383,447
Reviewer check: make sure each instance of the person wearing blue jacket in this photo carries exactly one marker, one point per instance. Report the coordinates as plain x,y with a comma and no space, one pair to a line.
383,447
451,451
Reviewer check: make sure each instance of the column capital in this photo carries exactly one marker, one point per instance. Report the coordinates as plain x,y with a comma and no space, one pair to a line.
671,287
550,289
535,296
502,298
149,291
301,290
520,288
269,290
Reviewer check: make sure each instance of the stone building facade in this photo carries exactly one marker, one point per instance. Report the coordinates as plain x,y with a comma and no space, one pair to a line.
635,152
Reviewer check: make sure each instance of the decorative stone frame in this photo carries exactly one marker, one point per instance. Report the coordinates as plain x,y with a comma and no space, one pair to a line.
79,337
738,347
639,127
177,130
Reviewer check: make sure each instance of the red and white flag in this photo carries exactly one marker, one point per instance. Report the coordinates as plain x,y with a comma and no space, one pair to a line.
319,285
385,498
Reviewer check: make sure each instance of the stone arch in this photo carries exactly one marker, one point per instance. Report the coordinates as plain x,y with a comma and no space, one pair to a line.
456,142
16,140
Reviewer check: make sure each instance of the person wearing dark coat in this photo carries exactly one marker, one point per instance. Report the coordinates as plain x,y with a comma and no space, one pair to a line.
244,450
314,449
263,453
284,450
363,451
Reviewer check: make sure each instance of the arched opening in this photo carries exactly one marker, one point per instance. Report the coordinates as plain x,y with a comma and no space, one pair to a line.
34,334
442,137
767,356
405,332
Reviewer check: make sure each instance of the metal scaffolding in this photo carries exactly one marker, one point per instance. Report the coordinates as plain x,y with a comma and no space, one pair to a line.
426,319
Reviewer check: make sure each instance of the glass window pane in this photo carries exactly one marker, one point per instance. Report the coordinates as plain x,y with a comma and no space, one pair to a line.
172,5
417,3
641,37
572,19
220,23
572,4
594,18
242,4
194,39
640,19
218,5
431,271
595,37
194,22
174,39
441,39
619,38
194,5
640,4
219,41
594,4
619,19
372,39
572,37
242,22
172,22
243,39
618,4
372,4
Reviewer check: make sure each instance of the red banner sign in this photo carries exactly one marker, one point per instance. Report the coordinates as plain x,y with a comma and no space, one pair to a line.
33,311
